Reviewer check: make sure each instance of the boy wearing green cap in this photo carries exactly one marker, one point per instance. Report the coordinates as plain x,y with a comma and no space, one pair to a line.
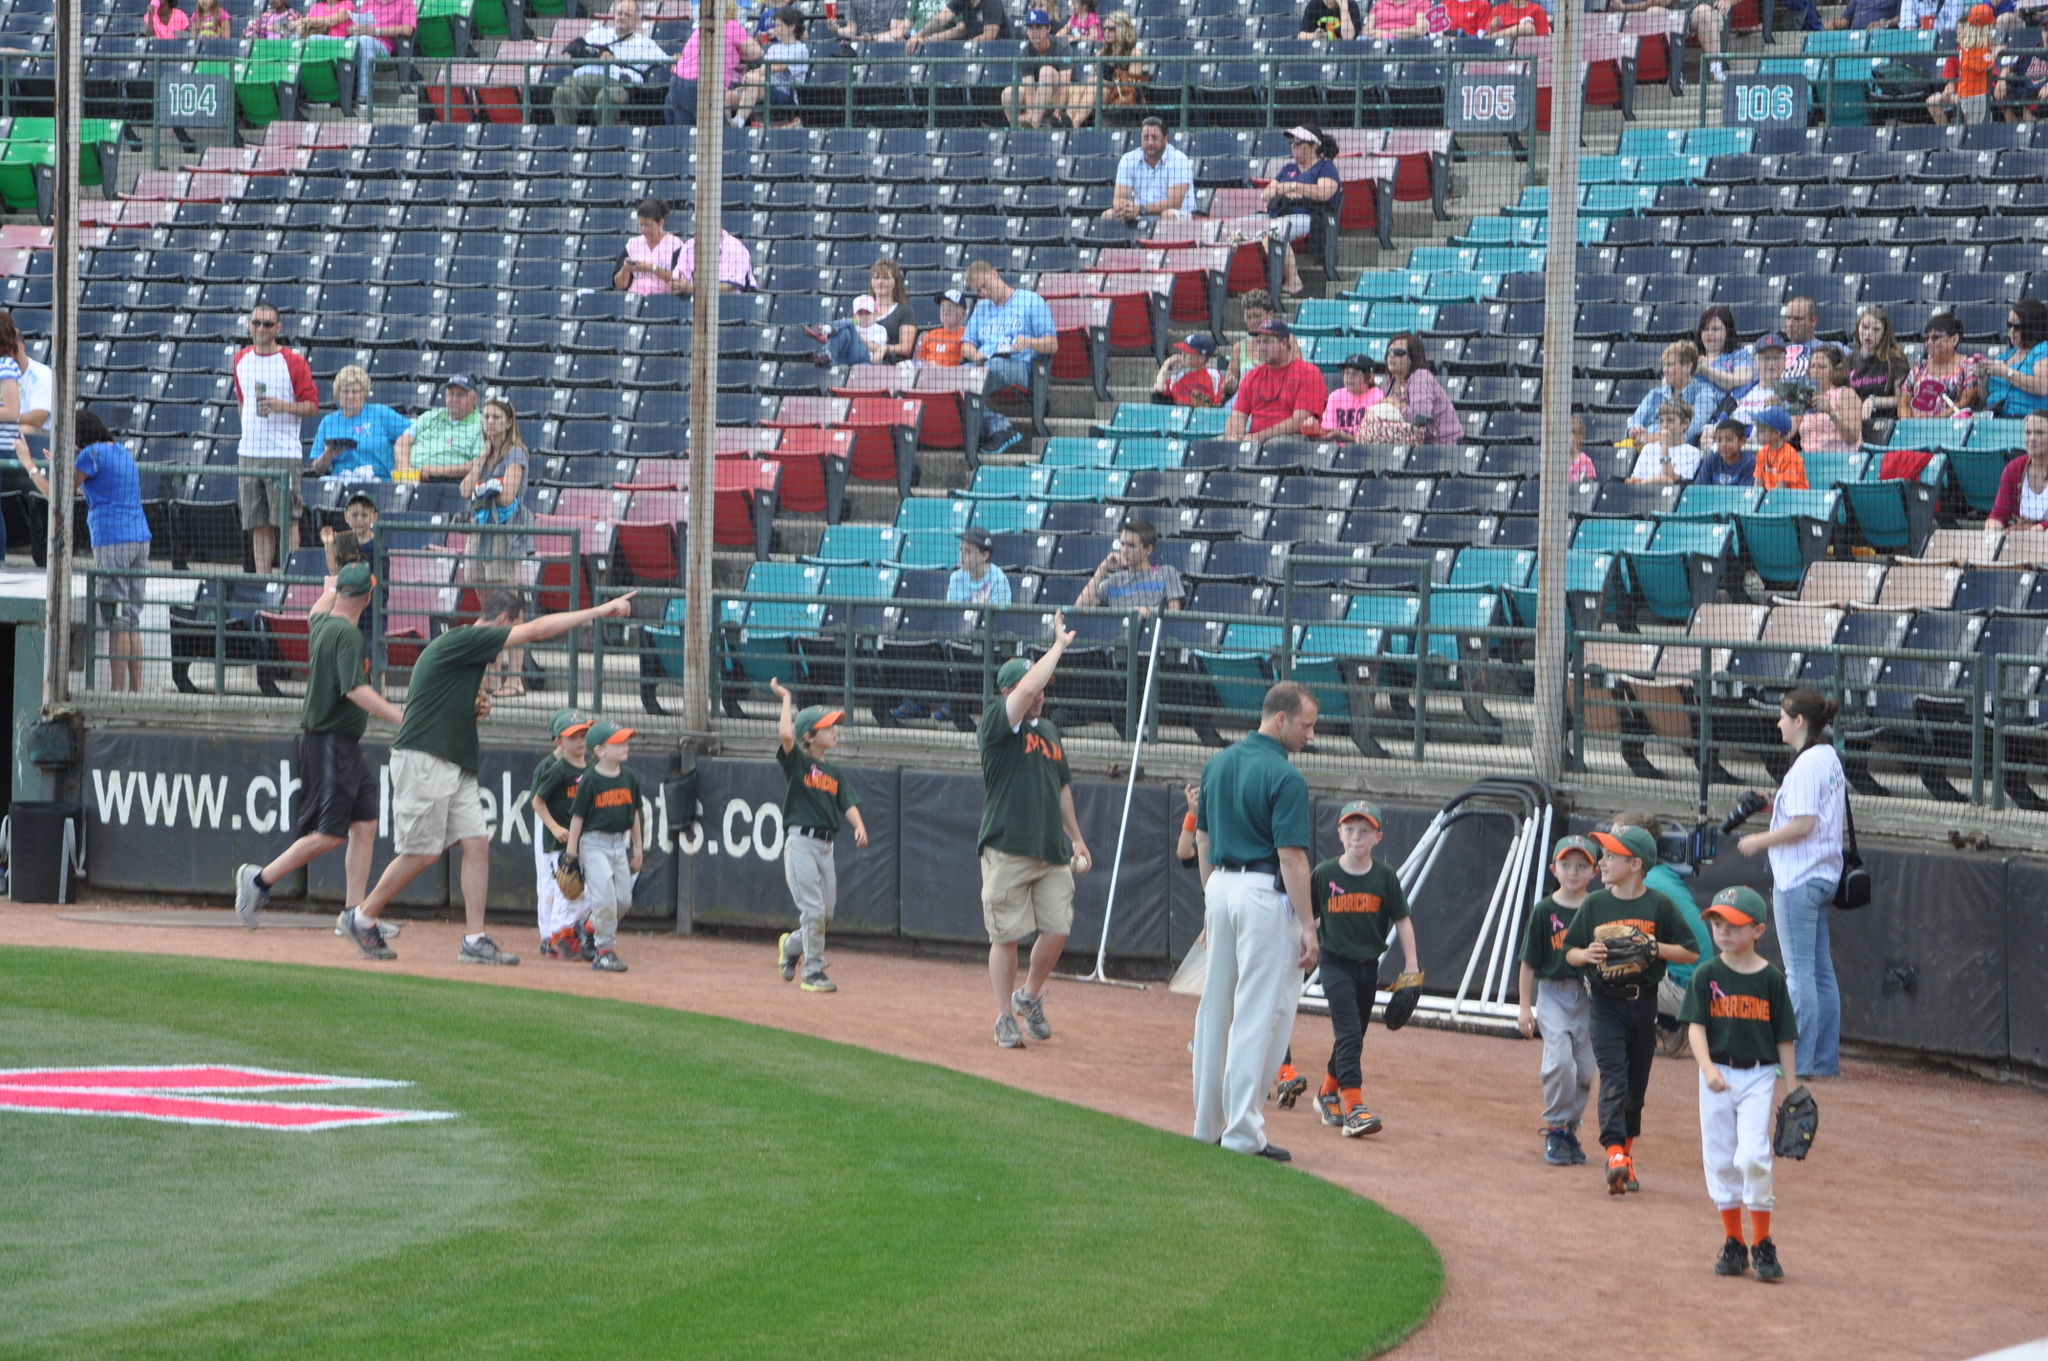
564,928
1356,900
338,801
1738,1015
818,796
1554,1000
604,837
1645,932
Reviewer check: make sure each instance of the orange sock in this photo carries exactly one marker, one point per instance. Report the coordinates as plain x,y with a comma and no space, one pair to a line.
1354,1097
1628,1146
1760,1224
1731,1223
1614,1151
1329,1087
1287,1073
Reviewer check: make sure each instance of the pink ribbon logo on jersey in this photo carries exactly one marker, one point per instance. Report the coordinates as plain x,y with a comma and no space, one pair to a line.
192,1094
1714,990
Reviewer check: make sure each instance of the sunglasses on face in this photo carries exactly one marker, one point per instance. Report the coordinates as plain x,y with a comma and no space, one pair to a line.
264,324
1397,354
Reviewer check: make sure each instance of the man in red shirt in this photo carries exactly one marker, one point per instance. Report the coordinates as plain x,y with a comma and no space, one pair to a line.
1519,18
1278,396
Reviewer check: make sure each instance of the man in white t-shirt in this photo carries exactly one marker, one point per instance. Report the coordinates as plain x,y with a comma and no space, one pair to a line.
274,389
38,397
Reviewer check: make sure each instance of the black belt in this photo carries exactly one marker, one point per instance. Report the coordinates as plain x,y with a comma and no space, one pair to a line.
815,833
1619,992
1249,866
1723,1061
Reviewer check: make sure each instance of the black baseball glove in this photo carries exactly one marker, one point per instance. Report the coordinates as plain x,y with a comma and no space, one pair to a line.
569,876
1407,992
1798,1121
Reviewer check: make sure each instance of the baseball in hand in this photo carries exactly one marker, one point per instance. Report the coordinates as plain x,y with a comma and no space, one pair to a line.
1081,862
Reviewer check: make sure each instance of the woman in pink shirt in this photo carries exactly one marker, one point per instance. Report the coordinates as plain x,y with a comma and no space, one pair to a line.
325,18
1411,386
1399,19
166,20
274,20
649,263
740,50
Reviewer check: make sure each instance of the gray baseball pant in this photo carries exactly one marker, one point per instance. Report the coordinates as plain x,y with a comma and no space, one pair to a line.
607,881
813,880
1564,1015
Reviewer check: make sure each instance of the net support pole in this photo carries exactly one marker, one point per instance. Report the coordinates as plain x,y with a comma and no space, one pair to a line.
709,226
1123,827
1560,298
63,364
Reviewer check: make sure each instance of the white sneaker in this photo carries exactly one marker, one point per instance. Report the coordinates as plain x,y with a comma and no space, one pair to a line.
1717,71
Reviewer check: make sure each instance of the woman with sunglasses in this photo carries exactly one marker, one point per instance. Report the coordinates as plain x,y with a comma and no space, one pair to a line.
2019,373
1943,382
1411,385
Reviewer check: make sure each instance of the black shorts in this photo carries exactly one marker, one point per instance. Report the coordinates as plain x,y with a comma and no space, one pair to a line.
336,788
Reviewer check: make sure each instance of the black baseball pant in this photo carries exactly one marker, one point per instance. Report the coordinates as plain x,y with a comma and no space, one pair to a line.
1624,1046
1349,987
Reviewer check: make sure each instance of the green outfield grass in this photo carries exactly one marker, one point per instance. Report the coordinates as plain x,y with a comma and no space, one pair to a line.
627,1181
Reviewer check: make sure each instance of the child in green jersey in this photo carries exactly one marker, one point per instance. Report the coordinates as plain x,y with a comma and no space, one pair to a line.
1555,1000
818,795
564,927
605,835
1358,902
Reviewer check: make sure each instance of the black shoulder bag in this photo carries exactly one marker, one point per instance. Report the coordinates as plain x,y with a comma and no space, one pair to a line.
1853,890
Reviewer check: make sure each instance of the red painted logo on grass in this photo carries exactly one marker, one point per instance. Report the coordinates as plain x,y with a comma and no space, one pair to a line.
185,1094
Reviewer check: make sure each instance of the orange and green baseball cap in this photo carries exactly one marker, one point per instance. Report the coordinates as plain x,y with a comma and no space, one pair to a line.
604,731
1739,906
1360,808
816,719
1585,846
1635,841
568,722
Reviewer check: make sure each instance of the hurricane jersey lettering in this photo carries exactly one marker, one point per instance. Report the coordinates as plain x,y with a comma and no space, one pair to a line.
1543,942
1655,915
607,803
1747,1015
816,793
1355,913
1023,769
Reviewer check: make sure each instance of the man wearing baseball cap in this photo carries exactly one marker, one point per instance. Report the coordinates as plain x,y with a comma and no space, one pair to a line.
338,792
563,921
1280,395
1738,1017
1048,80
1621,939
1553,999
1030,842
443,442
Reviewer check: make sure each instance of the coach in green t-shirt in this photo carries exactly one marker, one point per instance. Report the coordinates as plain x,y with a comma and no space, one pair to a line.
338,793
434,802
1030,841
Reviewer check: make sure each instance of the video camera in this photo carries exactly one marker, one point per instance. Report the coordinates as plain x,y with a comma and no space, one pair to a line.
1702,845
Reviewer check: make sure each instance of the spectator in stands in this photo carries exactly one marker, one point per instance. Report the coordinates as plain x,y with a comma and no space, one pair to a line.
1769,354
1348,403
273,20
1876,366
843,339
1834,423
166,20
1129,580
324,19
1008,328
1671,457
1582,468
977,581
379,26
1331,19
1778,464
1943,16
1410,383
632,54
940,346
1867,14
494,485
1723,363
1045,83
1944,381
736,51
443,442
1257,307
787,64
1300,196
1189,377
13,367
1681,361
1800,315
2022,88
209,20
1118,81
1518,19
1398,19
356,540
647,264
735,265
861,21
120,534
1968,72
2019,373
38,394
275,391
356,441
2022,501
1153,179
973,21
1731,465
1084,25
1278,395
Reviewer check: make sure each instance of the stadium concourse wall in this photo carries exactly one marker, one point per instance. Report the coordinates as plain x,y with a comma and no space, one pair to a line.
1950,960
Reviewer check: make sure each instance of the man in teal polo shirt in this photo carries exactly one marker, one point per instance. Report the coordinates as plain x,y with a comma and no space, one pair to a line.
1252,832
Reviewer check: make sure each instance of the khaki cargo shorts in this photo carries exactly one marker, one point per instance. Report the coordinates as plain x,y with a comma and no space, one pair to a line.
434,804
1020,895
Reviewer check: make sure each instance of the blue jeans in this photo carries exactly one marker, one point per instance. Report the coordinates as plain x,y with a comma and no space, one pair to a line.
680,109
1802,913
1007,371
846,347
369,51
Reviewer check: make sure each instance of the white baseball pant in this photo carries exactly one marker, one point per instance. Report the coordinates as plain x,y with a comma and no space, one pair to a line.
555,911
1254,944
813,879
1735,1137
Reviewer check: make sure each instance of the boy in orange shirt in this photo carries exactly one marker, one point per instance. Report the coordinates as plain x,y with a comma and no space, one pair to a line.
1969,70
940,346
1778,464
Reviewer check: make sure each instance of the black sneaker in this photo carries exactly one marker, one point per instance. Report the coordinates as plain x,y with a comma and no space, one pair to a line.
1274,1153
1578,1151
1734,1258
1556,1151
608,961
1764,1257
368,938
588,941
483,950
